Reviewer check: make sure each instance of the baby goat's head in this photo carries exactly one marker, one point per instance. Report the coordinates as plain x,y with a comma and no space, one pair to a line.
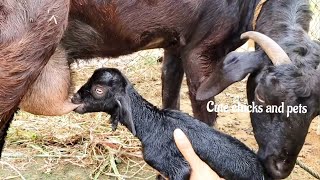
106,91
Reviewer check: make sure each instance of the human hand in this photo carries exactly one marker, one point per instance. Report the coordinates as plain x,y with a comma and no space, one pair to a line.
199,169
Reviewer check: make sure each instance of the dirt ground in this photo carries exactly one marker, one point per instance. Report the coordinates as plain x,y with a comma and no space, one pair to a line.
84,147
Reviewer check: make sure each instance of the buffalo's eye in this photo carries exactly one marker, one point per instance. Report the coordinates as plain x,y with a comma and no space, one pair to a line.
99,91
259,95
259,98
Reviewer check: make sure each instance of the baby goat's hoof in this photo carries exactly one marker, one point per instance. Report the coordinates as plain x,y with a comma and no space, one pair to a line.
160,177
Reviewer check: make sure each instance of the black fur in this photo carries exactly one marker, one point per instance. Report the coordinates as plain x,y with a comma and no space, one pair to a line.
230,158
280,138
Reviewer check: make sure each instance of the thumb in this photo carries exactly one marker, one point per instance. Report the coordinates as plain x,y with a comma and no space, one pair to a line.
185,148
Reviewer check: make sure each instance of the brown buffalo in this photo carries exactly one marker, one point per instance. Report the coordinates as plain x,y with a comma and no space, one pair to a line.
30,31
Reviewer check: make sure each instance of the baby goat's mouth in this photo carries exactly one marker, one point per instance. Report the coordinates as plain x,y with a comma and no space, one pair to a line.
80,109
76,99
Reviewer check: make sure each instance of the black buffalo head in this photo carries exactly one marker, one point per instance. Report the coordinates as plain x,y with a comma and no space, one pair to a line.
290,85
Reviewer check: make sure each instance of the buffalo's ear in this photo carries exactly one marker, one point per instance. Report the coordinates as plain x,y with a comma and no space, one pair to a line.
236,66
303,91
125,111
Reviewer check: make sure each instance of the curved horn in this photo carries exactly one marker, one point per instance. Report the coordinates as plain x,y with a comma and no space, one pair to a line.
272,49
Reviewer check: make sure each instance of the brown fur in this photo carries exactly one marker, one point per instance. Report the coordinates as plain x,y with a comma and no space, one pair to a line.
29,36
195,34
122,27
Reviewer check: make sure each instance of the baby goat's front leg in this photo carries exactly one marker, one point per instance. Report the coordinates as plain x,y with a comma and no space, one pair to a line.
182,174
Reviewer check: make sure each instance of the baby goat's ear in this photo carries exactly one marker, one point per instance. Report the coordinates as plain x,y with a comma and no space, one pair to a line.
125,112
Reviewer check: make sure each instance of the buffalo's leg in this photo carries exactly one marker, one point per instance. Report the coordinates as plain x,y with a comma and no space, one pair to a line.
172,75
195,74
3,132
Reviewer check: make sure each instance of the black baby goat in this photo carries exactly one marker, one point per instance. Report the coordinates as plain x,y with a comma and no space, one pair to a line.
109,91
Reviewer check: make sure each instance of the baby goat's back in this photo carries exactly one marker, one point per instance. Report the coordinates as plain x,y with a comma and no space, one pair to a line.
230,158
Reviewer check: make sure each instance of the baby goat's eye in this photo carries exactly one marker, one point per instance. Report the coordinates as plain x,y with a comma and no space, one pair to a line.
98,91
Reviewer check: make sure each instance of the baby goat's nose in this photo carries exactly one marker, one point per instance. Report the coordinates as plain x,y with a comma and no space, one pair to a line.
76,99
